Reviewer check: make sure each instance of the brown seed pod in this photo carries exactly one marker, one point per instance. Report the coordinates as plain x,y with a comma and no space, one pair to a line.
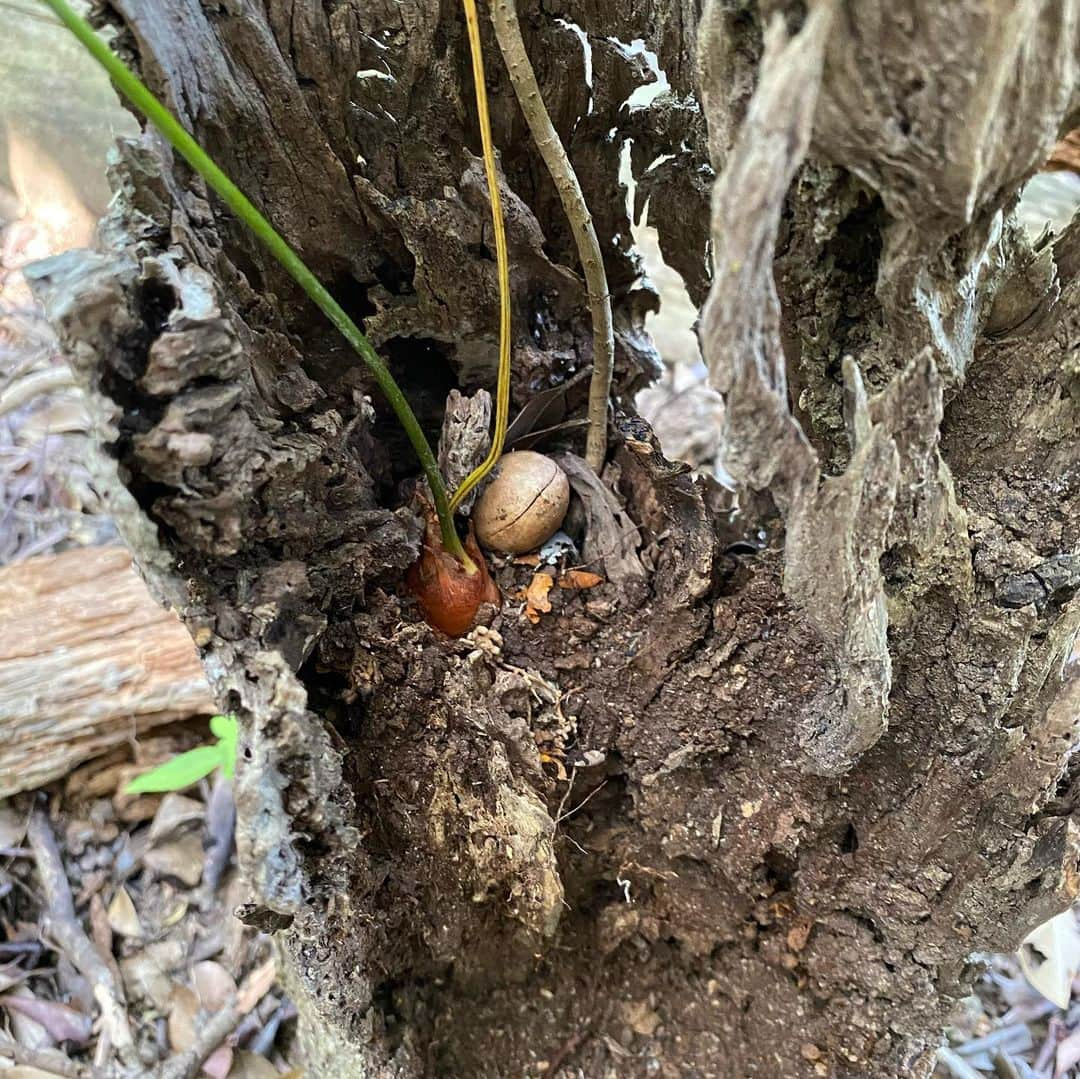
450,597
523,505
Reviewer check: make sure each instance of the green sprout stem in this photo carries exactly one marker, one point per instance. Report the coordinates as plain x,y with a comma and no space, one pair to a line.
137,93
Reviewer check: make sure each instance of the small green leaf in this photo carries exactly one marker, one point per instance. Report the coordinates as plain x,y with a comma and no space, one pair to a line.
179,773
228,731
223,725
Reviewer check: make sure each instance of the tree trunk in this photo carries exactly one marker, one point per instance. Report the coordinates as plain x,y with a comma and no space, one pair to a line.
753,805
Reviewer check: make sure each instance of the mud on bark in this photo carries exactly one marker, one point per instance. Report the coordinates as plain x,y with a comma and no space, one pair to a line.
751,806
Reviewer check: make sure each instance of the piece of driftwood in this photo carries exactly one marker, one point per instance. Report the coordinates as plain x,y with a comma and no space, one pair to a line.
88,659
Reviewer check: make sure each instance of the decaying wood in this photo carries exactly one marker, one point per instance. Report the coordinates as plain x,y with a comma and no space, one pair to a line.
813,725
88,660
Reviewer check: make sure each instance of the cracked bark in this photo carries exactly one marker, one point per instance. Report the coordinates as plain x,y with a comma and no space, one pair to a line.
821,739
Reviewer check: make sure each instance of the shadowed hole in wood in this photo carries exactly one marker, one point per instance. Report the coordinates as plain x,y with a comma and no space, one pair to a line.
154,301
395,1000
396,274
423,369
849,840
353,297
780,870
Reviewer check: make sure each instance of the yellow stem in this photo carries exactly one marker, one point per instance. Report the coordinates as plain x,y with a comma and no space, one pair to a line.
502,261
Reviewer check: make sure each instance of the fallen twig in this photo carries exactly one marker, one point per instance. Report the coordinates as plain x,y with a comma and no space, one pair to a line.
219,1026
523,79
220,826
956,1066
63,927
570,812
1015,1037
254,987
46,1062
264,1040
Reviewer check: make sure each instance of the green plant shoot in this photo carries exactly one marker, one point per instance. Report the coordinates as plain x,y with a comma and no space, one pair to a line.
188,768
132,87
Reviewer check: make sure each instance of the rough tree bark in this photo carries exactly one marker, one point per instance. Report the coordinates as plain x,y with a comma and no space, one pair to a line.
816,745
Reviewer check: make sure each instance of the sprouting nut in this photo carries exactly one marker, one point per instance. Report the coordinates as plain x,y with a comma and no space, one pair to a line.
523,505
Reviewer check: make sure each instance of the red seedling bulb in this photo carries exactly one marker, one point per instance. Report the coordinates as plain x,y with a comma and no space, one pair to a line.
449,595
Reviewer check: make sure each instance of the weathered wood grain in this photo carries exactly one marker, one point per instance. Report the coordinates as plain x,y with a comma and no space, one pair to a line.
88,660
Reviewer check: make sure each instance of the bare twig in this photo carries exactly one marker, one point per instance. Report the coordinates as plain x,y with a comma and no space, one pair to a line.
955,1065
569,1047
566,796
186,1065
220,827
523,79
52,1062
61,925
263,1042
218,1027
570,812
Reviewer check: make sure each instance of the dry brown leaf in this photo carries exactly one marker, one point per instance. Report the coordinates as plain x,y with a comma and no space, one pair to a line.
92,883
175,811
182,858
536,596
12,826
527,560
611,537
175,915
29,1033
799,934
134,809
218,1065
255,986
146,975
1066,154
101,933
252,1066
580,578
100,930
98,777
63,1022
560,768
1050,956
122,917
213,985
183,1016
640,1017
